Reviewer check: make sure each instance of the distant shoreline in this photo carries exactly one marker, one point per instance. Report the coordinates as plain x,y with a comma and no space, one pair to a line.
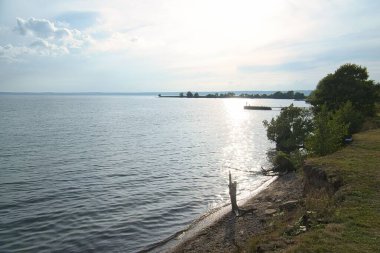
275,95
231,97
146,93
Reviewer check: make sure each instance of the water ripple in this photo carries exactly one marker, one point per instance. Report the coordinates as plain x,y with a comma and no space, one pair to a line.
115,174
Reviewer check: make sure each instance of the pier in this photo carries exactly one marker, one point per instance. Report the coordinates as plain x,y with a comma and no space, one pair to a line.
252,107
265,108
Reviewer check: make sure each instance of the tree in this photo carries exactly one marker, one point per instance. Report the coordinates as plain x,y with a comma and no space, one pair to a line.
290,129
348,83
277,95
196,95
349,116
289,94
181,94
299,95
189,94
377,91
328,134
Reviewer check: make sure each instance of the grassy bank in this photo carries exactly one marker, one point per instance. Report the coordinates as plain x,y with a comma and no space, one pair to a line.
346,219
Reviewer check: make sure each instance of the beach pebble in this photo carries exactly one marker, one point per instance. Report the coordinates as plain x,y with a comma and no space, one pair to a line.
268,198
289,205
270,211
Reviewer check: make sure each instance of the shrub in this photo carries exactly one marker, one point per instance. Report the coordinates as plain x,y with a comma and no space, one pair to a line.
282,163
297,158
348,115
328,134
290,128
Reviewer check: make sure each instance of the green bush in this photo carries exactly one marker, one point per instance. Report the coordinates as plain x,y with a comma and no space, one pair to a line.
290,128
348,115
297,158
283,163
328,134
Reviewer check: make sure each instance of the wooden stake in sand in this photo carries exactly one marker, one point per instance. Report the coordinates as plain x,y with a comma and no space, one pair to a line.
232,186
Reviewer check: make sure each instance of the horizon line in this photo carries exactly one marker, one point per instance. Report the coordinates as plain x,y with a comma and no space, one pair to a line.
134,92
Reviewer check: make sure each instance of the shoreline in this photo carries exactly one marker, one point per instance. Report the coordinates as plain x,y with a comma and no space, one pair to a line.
229,233
204,222
201,96
332,206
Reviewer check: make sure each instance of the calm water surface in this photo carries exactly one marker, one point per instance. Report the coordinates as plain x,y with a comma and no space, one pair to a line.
118,173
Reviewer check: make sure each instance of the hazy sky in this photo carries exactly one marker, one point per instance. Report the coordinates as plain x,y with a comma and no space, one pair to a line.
179,45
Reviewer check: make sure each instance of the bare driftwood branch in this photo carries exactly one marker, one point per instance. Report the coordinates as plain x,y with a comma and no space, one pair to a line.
235,208
273,172
232,187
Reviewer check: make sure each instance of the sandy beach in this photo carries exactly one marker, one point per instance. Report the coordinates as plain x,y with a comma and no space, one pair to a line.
231,233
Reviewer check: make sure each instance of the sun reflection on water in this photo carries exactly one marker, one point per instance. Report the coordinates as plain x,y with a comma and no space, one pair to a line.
235,112
237,153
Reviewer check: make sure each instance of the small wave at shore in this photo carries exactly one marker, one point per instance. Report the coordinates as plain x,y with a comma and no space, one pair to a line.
199,224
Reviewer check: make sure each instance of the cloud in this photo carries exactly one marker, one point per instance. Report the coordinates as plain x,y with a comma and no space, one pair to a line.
44,37
48,38
118,42
284,67
45,29
41,28
10,53
312,53
46,48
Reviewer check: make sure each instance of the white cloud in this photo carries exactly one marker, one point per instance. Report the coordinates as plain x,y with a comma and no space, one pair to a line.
50,39
45,48
9,53
60,36
41,28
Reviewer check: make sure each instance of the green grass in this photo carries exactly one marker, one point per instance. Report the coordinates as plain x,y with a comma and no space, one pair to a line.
350,219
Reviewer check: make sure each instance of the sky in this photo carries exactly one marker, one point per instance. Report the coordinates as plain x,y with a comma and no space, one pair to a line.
180,45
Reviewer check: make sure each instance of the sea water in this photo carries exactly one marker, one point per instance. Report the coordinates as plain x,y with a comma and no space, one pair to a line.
120,173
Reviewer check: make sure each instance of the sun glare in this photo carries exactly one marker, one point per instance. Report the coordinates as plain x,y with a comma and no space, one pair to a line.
235,112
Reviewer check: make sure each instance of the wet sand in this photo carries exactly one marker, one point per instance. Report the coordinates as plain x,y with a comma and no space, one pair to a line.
230,233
